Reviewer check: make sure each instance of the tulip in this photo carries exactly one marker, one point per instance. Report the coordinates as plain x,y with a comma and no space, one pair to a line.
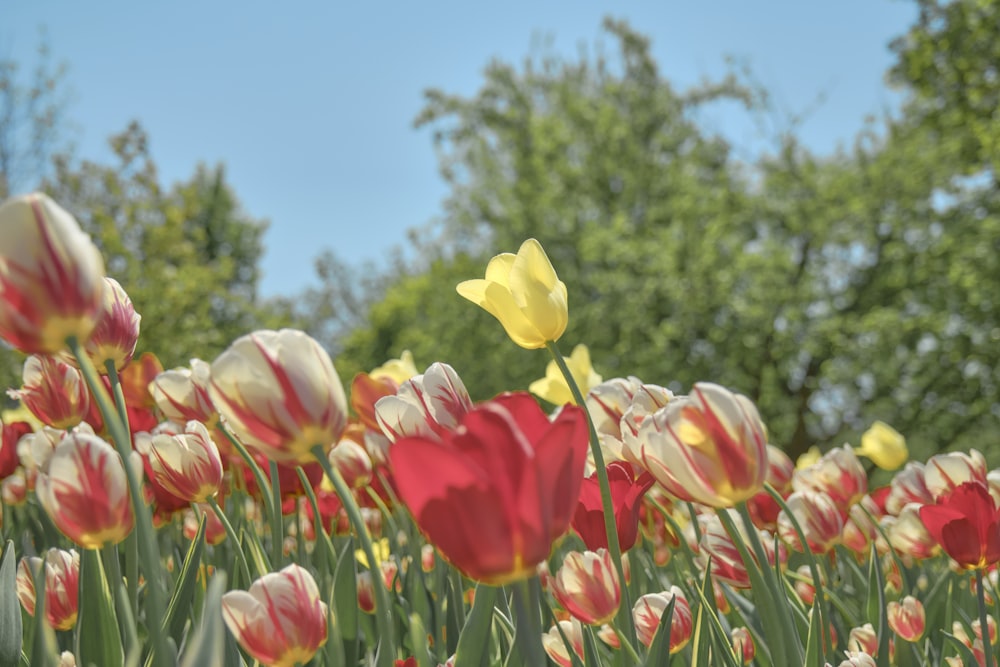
858,659
555,647
743,645
908,486
587,586
966,523
182,394
884,446
11,432
279,393
804,587
54,392
14,489
709,448
908,535
353,462
553,387
494,494
62,586
725,562
117,331
944,472
780,470
650,607
523,292
281,621
907,618
859,529
51,276
424,404
85,491
608,402
863,639
838,474
818,517
626,494
188,464
215,530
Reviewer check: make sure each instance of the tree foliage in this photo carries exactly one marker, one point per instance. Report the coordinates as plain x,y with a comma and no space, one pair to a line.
832,290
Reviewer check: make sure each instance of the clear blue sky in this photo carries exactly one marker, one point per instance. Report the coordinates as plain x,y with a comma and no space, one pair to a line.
310,104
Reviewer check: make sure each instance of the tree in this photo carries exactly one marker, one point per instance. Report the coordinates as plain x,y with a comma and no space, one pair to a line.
832,290
188,256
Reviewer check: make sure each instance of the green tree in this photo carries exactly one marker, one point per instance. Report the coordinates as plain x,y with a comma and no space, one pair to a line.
832,290
188,256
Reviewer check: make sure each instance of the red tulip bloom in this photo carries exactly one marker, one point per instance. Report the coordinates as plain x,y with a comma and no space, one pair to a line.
626,493
966,523
10,434
494,493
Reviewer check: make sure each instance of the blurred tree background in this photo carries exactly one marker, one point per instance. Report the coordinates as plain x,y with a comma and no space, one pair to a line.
832,289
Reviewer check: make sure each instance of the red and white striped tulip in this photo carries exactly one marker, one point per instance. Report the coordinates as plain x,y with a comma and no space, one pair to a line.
182,394
839,474
821,521
743,645
555,647
51,276
280,394
649,609
54,392
587,586
116,333
907,486
85,491
187,464
62,586
907,618
945,472
353,462
709,448
280,621
424,404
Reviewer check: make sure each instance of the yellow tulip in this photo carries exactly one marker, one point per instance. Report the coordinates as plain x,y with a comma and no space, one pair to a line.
811,456
553,387
524,293
884,446
398,370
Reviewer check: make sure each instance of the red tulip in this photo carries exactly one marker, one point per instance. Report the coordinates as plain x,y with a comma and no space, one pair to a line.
626,493
966,523
9,436
493,494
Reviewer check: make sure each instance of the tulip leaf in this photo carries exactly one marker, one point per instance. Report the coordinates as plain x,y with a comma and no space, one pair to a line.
44,648
474,639
97,639
418,638
723,647
180,602
659,649
10,609
875,579
345,601
207,644
814,640
968,657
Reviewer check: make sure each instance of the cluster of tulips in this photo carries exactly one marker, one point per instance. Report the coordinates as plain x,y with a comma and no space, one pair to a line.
246,511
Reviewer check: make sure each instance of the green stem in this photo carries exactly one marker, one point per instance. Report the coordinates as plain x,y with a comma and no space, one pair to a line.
263,486
148,549
529,625
131,546
628,647
983,619
277,524
614,547
383,613
233,537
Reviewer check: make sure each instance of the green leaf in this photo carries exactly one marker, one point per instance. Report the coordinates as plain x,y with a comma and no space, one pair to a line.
10,609
345,600
180,602
206,647
474,640
97,639
418,638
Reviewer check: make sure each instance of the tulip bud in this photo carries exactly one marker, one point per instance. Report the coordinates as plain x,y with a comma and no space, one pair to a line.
14,489
743,645
839,474
709,448
215,531
819,518
182,394
85,491
62,585
587,586
424,404
279,393
556,648
353,462
907,618
51,276
858,659
54,392
281,620
650,607
884,446
116,333
188,464
863,639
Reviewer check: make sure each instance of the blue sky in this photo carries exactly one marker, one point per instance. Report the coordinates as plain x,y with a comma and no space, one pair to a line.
310,104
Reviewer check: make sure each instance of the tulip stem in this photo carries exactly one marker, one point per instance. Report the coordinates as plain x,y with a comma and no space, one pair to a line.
610,528
529,624
983,619
149,551
233,537
383,613
277,525
628,647
263,487
131,542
